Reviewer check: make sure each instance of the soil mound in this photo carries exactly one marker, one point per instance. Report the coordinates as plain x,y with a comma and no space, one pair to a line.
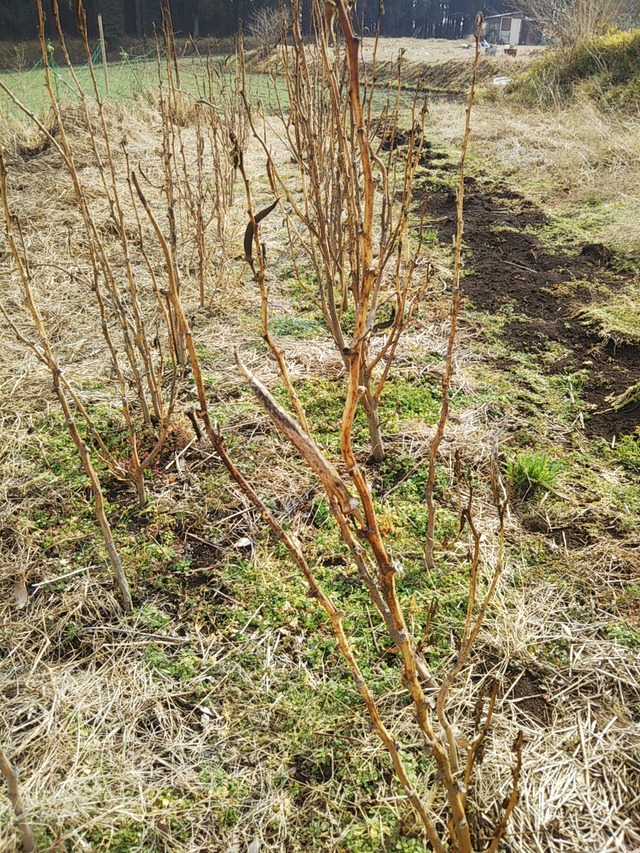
508,265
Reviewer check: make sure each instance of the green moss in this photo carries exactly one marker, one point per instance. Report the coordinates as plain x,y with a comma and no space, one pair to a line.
323,401
402,473
405,400
626,502
120,838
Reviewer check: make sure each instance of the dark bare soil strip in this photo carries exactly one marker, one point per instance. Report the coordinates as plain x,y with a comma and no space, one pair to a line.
509,266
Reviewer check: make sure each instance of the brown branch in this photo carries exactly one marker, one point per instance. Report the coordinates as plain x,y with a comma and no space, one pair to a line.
336,618
447,375
24,828
342,500
261,275
304,444
513,798
475,750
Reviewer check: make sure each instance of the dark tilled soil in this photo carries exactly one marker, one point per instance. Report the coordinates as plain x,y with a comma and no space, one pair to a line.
522,687
528,695
513,267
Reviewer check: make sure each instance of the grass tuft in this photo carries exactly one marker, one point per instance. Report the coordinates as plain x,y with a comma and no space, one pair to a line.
627,451
617,319
533,472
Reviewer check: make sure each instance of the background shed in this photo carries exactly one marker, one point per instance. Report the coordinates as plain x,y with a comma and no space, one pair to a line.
512,28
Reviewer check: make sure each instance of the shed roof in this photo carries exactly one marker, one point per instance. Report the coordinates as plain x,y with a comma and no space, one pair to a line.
504,15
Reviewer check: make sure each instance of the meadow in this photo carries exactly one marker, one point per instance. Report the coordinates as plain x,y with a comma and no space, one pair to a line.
218,711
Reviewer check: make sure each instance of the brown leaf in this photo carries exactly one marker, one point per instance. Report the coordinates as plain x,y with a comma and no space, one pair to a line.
248,234
162,826
20,594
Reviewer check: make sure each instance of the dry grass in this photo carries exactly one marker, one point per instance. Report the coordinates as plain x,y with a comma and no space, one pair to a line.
105,741
581,770
617,319
575,160
438,65
434,51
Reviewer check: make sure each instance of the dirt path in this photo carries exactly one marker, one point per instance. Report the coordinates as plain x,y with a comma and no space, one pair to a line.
509,267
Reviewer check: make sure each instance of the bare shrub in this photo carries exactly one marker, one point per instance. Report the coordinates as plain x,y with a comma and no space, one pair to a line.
569,21
43,351
356,515
389,270
106,251
18,58
266,26
201,191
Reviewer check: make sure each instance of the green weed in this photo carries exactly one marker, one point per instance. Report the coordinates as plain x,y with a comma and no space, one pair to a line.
533,472
627,451
624,634
152,617
183,666
303,328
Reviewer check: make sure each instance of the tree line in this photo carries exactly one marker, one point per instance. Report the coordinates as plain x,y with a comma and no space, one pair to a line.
219,18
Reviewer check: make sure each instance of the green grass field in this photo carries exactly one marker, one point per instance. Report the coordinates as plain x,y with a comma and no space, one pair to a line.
128,79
